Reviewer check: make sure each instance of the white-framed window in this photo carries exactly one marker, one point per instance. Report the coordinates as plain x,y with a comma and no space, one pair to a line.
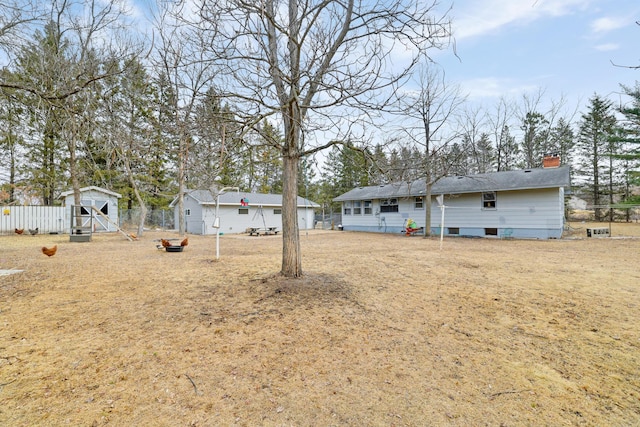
418,203
368,210
357,207
489,200
346,208
277,211
389,205
187,212
243,211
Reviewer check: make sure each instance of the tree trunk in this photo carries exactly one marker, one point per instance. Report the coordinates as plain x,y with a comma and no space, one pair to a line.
596,181
427,208
12,144
181,219
182,155
75,184
134,188
291,256
48,166
426,122
143,211
610,183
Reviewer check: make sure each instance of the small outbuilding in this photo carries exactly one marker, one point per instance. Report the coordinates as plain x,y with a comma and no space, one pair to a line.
526,203
239,211
103,200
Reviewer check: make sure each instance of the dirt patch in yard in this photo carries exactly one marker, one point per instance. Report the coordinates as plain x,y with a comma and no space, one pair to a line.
381,330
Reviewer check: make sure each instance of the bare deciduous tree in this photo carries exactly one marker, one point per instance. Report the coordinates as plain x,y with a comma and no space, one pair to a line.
500,122
315,66
632,67
537,121
472,124
65,62
15,16
127,124
181,57
434,106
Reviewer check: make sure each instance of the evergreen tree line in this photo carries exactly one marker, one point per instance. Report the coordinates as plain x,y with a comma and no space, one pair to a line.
602,147
73,115
121,130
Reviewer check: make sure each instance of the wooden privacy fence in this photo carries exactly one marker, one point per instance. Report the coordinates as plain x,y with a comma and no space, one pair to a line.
47,219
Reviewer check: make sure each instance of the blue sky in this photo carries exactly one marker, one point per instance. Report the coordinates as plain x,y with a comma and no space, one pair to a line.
514,47
564,47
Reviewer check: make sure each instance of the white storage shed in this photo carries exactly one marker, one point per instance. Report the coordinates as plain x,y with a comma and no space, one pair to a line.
239,211
101,199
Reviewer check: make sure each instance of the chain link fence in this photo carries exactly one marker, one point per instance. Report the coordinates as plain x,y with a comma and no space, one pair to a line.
328,221
163,219
158,219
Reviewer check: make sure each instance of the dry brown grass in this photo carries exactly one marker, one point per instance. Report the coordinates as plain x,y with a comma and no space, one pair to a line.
382,330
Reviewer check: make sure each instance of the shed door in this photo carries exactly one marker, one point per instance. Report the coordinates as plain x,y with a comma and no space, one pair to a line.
85,213
100,224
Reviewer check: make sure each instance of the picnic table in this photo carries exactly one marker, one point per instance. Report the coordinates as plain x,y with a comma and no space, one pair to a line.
257,231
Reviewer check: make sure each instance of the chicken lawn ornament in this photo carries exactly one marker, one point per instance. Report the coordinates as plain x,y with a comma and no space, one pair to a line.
411,227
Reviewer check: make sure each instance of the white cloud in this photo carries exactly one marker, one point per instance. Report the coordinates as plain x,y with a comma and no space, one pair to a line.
606,47
606,24
494,87
474,18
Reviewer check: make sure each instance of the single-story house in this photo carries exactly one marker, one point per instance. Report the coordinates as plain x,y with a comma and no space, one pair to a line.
521,204
103,200
238,211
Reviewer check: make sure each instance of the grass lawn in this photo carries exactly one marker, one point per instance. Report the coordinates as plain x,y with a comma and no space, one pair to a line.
383,330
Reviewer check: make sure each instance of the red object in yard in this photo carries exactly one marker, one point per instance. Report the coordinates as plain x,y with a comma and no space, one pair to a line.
410,231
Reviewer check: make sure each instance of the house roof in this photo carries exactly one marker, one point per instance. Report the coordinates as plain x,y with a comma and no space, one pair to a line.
92,188
526,179
233,198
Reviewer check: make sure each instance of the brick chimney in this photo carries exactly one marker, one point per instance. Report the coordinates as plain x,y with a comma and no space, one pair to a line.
551,160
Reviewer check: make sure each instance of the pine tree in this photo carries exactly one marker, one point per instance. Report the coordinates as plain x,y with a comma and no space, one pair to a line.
135,160
534,140
11,139
562,141
40,66
596,130
344,169
629,136
266,162
485,154
217,155
508,151
379,166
